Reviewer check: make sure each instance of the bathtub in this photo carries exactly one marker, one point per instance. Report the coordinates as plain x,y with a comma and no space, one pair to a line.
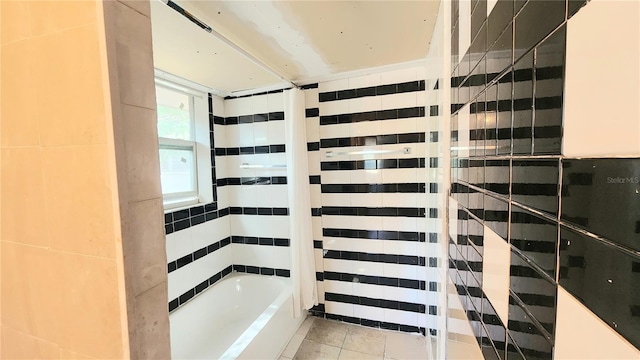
243,316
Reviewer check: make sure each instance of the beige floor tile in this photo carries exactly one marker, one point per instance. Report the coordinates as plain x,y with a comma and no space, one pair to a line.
311,350
365,340
327,332
405,346
354,355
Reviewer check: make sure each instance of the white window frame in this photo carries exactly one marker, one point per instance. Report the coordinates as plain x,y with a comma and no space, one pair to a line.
200,143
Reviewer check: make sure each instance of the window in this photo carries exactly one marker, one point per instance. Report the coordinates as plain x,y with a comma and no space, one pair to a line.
185,141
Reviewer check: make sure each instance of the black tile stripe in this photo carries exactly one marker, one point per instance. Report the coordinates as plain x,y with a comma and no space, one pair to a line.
374,234
313,146
373,211
406,163
189,294
319,311
380,303
388,139
251,118
185,218
276,211
261,180
250,150
250,269
264,241
312,112
373,188
309,86
314,179
410,86
189,258
390,114
372,257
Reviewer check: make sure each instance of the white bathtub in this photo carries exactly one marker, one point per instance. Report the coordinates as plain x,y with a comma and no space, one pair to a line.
241,317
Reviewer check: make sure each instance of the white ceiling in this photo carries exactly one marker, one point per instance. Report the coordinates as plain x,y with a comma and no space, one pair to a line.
299,40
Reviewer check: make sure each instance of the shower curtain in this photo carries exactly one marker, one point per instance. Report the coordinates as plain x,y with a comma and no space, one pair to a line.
300,232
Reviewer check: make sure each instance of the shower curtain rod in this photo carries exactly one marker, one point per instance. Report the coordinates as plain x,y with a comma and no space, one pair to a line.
405,150
224,39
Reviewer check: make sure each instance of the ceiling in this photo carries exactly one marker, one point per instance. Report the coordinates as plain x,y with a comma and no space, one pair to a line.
300,41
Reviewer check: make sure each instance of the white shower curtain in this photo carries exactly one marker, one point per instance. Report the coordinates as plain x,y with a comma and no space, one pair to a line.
301,245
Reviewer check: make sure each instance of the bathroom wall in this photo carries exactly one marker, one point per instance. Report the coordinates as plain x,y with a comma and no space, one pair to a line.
199,237
73,198
258,201
542,238
372,240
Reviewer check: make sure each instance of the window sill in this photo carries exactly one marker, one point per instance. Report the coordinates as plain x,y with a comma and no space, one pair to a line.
171,205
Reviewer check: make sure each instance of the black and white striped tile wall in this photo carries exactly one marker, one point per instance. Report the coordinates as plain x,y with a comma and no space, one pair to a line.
536,237
259,202
371,256
199,238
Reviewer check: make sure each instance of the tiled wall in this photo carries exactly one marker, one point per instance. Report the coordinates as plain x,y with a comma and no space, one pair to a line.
371,237
536,234
246,228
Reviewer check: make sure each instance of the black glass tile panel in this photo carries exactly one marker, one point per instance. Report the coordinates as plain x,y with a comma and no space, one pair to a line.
496,215
500,17
535,291
535,183
476,235
497,176
478,16
495,330
523,105
536,20
532,341
535,237
602,196
504,115
476,203
476,172
490,135
603,279
547,132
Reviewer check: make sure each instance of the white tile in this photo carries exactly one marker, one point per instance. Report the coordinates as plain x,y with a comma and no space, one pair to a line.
338,287
368,312
364,81
261,133
339,308
368,268
365,104
602,123
334,85
367,200
260,105
580,334
311,98
398,101
495,272
218,106
399,76
401,317
333,131
401,271
336,177
276,102
334,107
276,132
179,244
335,265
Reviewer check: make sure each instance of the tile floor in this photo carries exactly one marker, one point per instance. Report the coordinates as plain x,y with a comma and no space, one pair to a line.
331,340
